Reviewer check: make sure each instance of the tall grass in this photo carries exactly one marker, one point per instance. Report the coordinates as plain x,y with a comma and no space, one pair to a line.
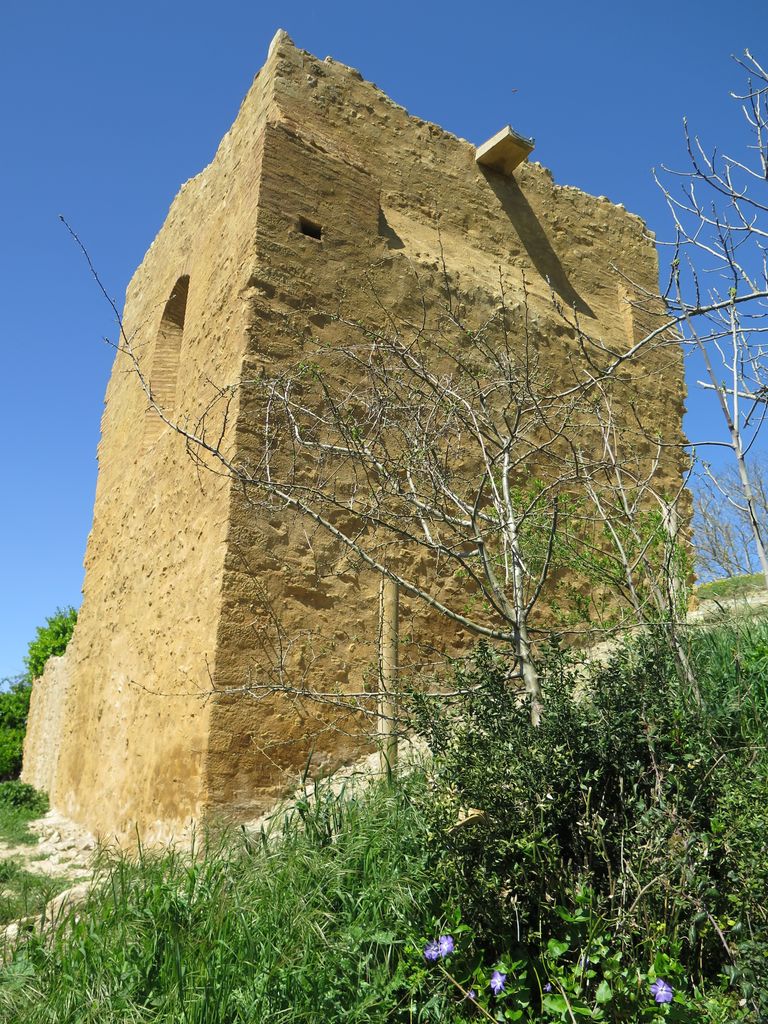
307,926
730,662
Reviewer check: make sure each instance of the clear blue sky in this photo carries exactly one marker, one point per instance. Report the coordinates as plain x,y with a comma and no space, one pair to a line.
107,108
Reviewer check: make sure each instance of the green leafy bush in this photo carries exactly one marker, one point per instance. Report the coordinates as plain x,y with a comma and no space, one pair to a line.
22,796
599,984
11,748
625,829
14,704
50,639
14,708
617,873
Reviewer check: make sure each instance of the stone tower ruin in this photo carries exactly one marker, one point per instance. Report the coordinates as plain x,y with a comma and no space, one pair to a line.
320,176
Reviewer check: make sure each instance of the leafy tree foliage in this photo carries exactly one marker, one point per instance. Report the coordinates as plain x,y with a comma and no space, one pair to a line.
50,640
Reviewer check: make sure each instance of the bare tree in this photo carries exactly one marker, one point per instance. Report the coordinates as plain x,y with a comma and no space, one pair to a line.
437,453
718,285
646,552
416,445
724,536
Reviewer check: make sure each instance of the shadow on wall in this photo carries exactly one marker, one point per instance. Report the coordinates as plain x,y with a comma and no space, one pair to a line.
534,238
388,233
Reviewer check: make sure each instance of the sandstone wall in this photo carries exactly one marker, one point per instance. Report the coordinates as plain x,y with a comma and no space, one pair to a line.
47,710
134,733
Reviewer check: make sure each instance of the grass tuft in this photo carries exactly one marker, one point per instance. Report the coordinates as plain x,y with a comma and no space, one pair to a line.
24,893
19,804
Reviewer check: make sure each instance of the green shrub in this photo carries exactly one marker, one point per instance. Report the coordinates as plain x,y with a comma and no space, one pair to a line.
50,639
622,830
621,846
14,704
11,749
22,796
14,708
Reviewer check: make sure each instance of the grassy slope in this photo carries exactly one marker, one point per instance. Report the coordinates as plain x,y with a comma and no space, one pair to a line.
308,928
22,893
311,927
732,586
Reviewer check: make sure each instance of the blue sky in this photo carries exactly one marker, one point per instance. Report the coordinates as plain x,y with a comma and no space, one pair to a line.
108,108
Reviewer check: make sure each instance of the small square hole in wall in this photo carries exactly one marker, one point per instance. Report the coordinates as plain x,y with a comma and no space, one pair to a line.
310,228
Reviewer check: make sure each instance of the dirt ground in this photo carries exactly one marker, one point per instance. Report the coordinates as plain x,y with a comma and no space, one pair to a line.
63,849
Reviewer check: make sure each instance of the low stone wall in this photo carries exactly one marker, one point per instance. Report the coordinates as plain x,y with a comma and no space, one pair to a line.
45,724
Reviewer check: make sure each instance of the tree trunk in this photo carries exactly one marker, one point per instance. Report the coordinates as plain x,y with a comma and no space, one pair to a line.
389,600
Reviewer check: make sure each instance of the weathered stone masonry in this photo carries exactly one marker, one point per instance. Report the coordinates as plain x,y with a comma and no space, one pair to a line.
176,567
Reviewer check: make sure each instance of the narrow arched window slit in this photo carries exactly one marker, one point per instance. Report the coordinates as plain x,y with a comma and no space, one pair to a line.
164,368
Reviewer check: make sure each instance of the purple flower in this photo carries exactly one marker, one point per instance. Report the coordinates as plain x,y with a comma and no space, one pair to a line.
497,982
661,991
548,987
440,948
471,995
432,951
